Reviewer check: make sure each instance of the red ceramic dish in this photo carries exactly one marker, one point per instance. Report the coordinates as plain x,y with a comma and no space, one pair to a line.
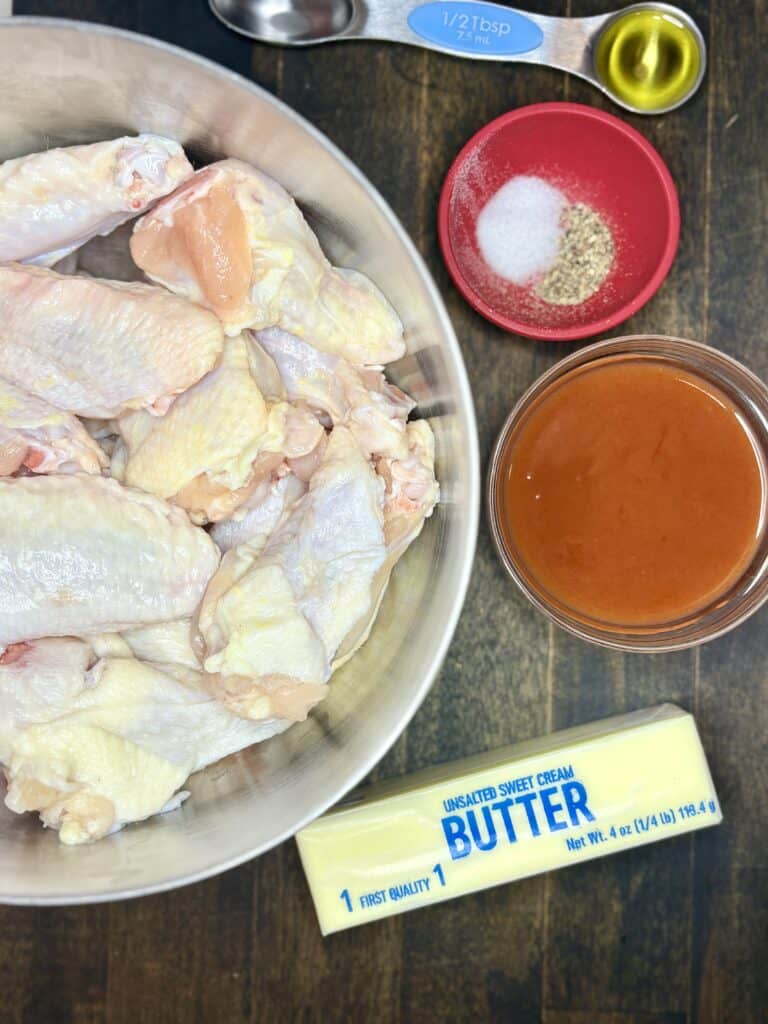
592,157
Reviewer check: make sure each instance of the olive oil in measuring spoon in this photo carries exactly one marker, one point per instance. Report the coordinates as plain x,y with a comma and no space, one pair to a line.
649,59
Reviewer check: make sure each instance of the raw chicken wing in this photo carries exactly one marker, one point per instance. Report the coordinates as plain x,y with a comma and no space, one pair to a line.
93,746
217,441
273,619
411,488
167,642
52,202
232,239
263,512
42,439
247,393
411,493
81,554
361,399
96,348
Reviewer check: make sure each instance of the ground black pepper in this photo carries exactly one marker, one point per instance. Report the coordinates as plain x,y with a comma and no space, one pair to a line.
583,262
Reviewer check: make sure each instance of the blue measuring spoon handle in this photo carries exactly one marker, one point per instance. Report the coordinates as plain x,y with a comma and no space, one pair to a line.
475,28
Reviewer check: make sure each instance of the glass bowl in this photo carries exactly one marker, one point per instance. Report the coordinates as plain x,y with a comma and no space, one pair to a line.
750,396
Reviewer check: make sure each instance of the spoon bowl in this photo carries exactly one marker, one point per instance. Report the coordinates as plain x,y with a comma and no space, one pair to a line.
286,22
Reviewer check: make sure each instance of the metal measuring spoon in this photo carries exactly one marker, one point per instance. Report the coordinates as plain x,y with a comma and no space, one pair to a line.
625,53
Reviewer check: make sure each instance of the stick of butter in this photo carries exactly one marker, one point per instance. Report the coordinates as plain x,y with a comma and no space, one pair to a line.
518,811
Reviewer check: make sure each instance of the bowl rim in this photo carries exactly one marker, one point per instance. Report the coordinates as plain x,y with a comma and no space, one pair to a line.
469,528
597,326
591,633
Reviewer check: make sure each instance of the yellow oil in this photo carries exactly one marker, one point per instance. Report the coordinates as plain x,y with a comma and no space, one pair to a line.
649,59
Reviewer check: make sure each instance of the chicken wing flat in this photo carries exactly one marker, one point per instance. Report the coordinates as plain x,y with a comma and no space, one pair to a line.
81,554
97,348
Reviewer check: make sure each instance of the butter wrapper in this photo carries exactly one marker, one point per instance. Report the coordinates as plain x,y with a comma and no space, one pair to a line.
524,809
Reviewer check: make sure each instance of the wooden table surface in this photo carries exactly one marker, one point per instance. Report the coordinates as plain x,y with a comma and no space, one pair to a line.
672,933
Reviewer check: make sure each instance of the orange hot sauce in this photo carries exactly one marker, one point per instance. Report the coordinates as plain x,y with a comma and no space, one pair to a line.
633,493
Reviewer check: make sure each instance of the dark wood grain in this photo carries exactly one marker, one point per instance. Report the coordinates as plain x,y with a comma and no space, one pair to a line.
630,927
675,933
730,921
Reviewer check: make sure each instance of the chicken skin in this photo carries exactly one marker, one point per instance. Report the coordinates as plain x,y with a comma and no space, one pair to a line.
233,240
261,514
92,745
97,348
42,439
361,399
166,642
205,482
81,554
410,495
273,617
52,202
216,442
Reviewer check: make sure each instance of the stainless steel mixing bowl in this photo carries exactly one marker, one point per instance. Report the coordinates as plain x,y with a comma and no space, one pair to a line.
66,82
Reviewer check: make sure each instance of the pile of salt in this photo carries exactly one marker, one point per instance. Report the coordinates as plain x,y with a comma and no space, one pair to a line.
520,227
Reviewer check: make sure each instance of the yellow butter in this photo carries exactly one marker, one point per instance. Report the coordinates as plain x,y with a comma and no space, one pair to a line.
532,807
